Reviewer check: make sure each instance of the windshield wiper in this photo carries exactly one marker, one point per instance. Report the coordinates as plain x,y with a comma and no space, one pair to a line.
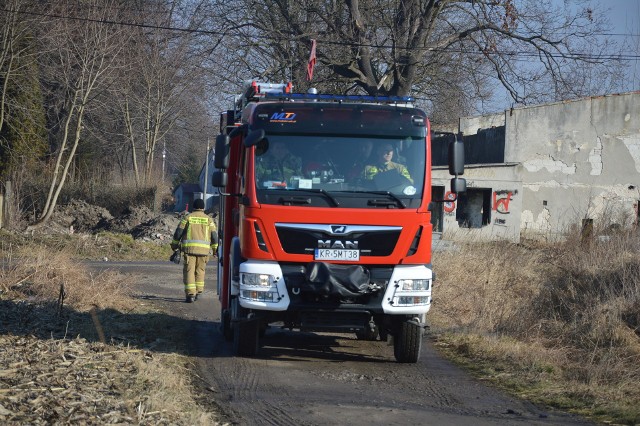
301,200
388,194
375,202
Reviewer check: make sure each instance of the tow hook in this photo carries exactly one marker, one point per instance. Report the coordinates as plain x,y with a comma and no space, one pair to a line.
419,323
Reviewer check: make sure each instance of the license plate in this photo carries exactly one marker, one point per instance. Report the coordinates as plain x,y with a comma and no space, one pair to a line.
337,254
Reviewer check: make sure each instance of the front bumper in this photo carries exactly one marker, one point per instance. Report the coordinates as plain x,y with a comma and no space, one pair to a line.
264,286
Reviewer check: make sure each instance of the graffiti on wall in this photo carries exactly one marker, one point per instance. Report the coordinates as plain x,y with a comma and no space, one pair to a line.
501,201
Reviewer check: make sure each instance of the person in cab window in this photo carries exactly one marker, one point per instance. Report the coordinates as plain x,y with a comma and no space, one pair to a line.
382,162
277,165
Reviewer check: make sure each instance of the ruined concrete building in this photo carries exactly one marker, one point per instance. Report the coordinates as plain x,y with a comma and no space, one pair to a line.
544,170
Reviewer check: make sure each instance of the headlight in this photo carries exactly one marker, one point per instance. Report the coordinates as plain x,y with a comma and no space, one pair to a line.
257,280
414,285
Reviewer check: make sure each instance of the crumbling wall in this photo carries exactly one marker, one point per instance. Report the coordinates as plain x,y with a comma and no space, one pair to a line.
579,161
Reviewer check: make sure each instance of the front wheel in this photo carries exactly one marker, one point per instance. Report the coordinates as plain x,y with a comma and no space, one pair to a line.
407,342
227,331
245,337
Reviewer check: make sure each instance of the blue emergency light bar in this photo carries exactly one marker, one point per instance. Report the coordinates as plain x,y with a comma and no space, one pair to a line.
337,98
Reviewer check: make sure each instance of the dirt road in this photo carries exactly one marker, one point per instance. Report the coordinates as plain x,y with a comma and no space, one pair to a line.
320,379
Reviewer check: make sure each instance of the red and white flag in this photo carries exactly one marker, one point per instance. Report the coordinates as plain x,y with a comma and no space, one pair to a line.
312,60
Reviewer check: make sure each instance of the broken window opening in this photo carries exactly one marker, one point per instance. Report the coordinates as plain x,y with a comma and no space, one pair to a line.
474,208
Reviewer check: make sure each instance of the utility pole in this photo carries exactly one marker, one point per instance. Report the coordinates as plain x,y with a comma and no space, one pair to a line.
206,174
164,156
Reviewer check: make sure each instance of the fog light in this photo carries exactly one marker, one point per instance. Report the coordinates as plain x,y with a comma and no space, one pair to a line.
410,300
259,296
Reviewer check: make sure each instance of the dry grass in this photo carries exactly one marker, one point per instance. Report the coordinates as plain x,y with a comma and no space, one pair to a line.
113,246
166,387
135,378
38,274
557,323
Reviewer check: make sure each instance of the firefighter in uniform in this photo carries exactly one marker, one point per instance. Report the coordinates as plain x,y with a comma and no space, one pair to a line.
382,163
196,236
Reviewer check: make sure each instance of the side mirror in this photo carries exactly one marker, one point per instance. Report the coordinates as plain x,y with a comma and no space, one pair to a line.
219,179
456,158
458,185
254,138
221,159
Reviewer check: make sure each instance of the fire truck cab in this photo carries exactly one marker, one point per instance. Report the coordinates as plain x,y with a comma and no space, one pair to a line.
324,216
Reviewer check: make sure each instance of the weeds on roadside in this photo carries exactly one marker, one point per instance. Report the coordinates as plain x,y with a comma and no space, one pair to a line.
39,274
113,246
36,281
558,323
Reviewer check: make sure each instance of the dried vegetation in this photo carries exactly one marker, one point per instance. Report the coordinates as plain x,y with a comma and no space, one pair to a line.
55,365
555,323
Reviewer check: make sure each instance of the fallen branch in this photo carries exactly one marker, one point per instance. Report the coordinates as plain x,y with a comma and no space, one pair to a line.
20,281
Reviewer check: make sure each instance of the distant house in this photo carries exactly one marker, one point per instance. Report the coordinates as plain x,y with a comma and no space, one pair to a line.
184,194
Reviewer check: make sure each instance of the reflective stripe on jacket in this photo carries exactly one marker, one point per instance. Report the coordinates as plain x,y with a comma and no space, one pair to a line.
196,233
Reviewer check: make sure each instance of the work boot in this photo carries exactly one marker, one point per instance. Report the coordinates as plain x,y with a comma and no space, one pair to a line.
197,294
190,298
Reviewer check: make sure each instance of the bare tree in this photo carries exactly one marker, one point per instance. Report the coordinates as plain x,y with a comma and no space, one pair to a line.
8,24
160,86
80,65
536,49
14,29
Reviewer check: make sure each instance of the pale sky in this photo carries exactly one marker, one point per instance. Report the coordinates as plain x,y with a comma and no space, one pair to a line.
625,19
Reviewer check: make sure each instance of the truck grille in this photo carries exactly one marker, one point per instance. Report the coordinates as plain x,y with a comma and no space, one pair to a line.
376,241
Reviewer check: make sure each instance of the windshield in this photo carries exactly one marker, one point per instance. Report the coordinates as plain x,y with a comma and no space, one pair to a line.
386,170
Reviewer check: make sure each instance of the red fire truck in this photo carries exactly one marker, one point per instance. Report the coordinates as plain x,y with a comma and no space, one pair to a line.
324,216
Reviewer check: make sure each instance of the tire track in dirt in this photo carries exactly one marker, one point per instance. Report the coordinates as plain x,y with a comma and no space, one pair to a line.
249,392
242,384
317,379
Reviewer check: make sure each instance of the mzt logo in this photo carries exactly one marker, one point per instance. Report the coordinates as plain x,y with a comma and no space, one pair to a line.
283,117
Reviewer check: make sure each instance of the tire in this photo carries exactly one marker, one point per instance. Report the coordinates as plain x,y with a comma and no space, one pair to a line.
262,330
407,342
245,338
227,331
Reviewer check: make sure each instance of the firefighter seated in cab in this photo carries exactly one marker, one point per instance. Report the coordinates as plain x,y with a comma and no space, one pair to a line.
382,162
276,166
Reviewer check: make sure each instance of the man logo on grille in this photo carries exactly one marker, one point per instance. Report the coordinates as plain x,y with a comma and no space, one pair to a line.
338,229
